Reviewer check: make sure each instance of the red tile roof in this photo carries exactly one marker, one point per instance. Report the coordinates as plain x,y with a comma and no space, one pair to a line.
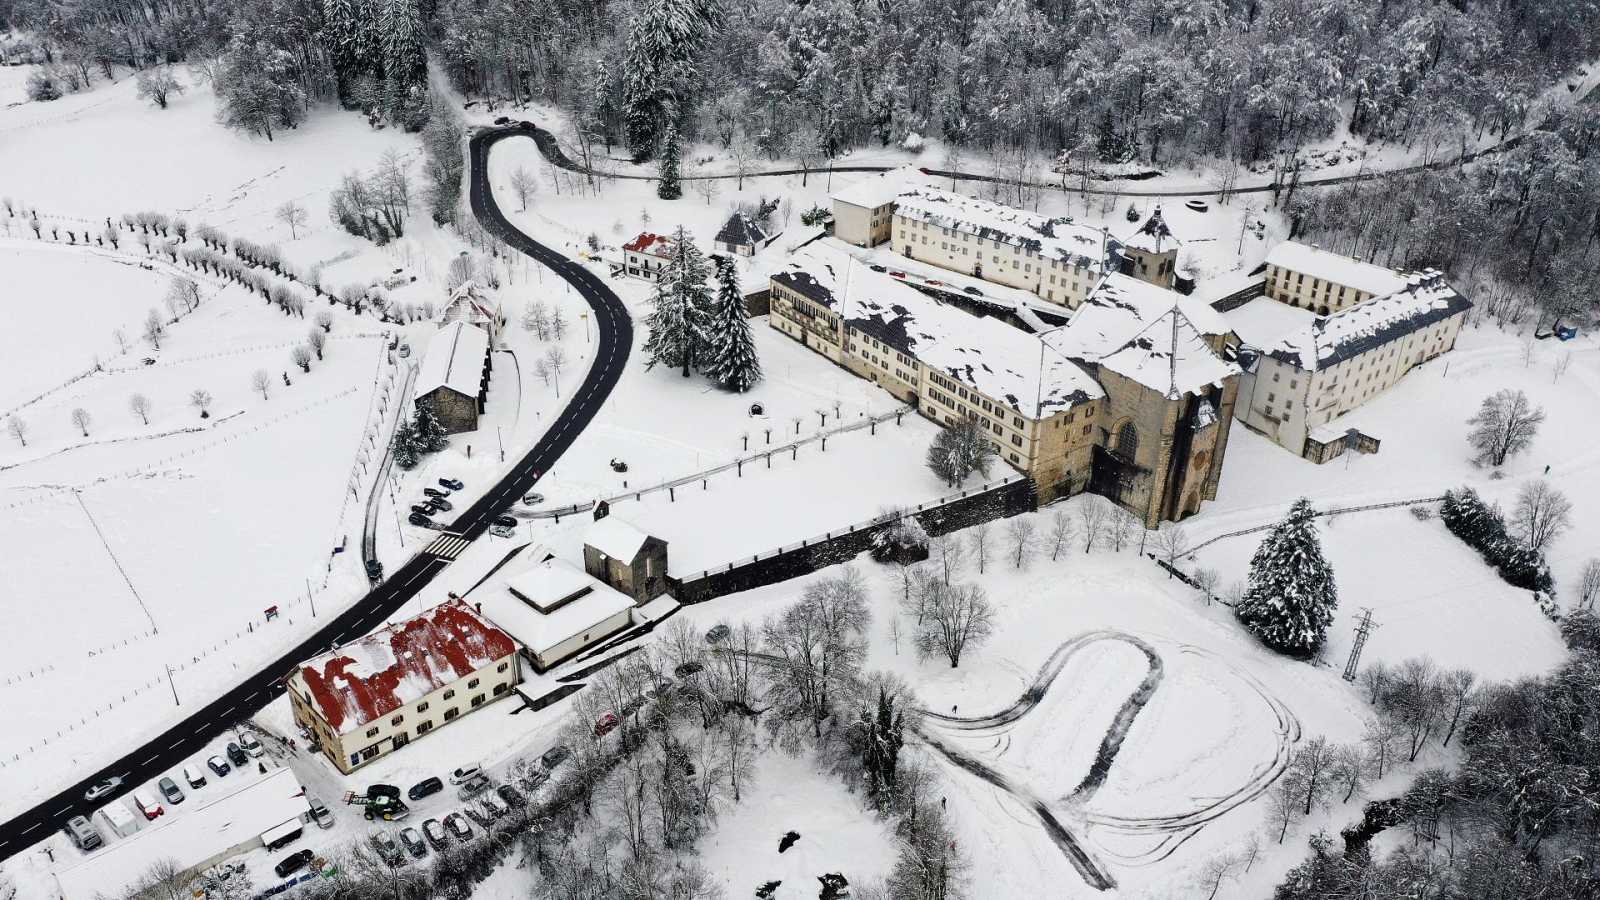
399,664
646,240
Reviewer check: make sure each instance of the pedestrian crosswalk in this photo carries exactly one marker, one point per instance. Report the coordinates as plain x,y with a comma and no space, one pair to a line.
447,546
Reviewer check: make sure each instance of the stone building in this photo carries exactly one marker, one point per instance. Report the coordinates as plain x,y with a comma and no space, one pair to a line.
1309,277
625,558
1296,388
453,380
379,693
1151,253
1129,399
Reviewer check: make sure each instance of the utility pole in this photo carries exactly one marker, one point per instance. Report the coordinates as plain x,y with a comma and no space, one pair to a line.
1363,629
312,598
172,685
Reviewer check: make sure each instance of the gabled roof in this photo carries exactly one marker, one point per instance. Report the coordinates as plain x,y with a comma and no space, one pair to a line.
1154,236
742,231
1352,273
454,360
651,243
398,664
615,538
1058,238
878,190
468,301
1424,299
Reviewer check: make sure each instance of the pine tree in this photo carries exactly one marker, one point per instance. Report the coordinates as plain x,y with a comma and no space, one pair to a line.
430,435
404,61
731,349
404,444
677,320
641,74
343,29
883,736
1291,596
669,188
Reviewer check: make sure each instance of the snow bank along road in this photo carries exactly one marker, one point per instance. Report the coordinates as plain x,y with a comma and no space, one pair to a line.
177,743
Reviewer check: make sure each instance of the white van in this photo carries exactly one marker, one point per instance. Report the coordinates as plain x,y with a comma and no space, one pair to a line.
250,745
195,776
119,819
147,804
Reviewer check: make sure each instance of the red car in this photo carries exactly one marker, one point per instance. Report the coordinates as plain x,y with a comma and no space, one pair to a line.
604,724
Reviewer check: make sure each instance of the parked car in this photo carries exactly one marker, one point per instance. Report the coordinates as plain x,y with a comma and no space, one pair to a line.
421,520
458,827
466,773
877,268
148,805
427,787
195,776
533,499
436,492
386,809
506,521
387,848
250,745
414,843
973,291
534,779
236,754
451,483
555,756
434,832
605,724
292,863
170,790
511,796
718,634
691,667
218,765
496,807
83,834
440,504
633,705
932,283
472,787
320,813
1198,205
102,789
405,350
422,509
374,571
503,531
383,790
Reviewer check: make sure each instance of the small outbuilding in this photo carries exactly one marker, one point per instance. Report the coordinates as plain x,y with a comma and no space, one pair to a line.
742,235
453,380
625,558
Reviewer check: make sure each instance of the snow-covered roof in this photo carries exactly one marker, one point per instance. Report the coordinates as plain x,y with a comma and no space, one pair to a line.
742,231
398,664
1351,273
549,583
192,835
1058,238
454,360
1154,236
651,243
1424,298
615,538
878,190
1003,363
540,631
1152,335
1264,320
469,302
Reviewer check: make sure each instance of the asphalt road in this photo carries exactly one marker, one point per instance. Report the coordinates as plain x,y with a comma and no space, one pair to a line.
167,751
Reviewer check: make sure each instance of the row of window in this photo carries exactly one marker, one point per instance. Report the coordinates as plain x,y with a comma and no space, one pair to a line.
426,725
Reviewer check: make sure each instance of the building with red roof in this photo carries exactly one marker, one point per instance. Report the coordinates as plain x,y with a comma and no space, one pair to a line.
377,694
647,255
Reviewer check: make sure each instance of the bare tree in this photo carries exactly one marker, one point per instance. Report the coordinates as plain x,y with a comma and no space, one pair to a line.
154,328
163,878
158,84
541,368
1415,699
951,553
140,404
184,294
1019,531
292,214
979,542
1542,513
1504,425
958,615
1206,581
201,399
1589,584
121,337
81,419
1284,797
1312,764
1460,689
707,188
317,339
301,356
1349,769
1172,542
743,156
1381,739
17,428
1092,516
524,185
1060,531
1376,678
261,380
1217,868
1119,529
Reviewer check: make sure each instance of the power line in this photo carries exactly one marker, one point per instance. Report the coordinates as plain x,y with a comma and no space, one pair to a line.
1363,628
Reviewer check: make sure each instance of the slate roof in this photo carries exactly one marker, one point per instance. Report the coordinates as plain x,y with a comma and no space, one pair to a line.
742,231
1424,298
1058,238
1154,236
454,359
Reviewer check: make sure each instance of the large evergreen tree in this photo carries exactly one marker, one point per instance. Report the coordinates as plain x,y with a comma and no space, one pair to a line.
404,444
660,73
730,348
430,435
1291,596
346,33
669,187
405,63
257,84
677,319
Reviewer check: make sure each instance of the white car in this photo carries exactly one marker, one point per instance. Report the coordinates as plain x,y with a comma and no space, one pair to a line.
102,789
465,773
250,745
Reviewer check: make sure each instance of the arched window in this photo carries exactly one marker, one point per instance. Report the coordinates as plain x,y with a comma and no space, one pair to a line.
1127,441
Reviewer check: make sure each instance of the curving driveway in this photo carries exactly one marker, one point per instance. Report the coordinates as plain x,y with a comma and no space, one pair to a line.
177,743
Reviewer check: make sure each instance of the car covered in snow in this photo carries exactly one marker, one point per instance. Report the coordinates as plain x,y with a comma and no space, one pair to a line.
218,765
472,787
387,848
414,844
458,826
453,484
435,834
555,756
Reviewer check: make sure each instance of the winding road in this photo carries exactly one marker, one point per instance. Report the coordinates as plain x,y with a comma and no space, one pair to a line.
173,746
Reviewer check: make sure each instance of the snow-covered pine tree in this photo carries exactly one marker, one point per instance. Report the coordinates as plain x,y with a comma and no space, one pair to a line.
342,35
256,84
431,437
677,320
404,60
641,74
404,444
669,187
1291,596
730,348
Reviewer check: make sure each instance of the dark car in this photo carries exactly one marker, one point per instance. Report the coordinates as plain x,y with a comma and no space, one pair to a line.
555,756
533,499
718,634
510,795
502,120
632,705
1197,205
218,765
877,268
973,291
374,571
387,848
440,504
434,832
421,520
427,787
451,483
236,754
294,862
435,492
384,790
422,509
689,668
534,779
415,845
170,790
458,827
505,521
